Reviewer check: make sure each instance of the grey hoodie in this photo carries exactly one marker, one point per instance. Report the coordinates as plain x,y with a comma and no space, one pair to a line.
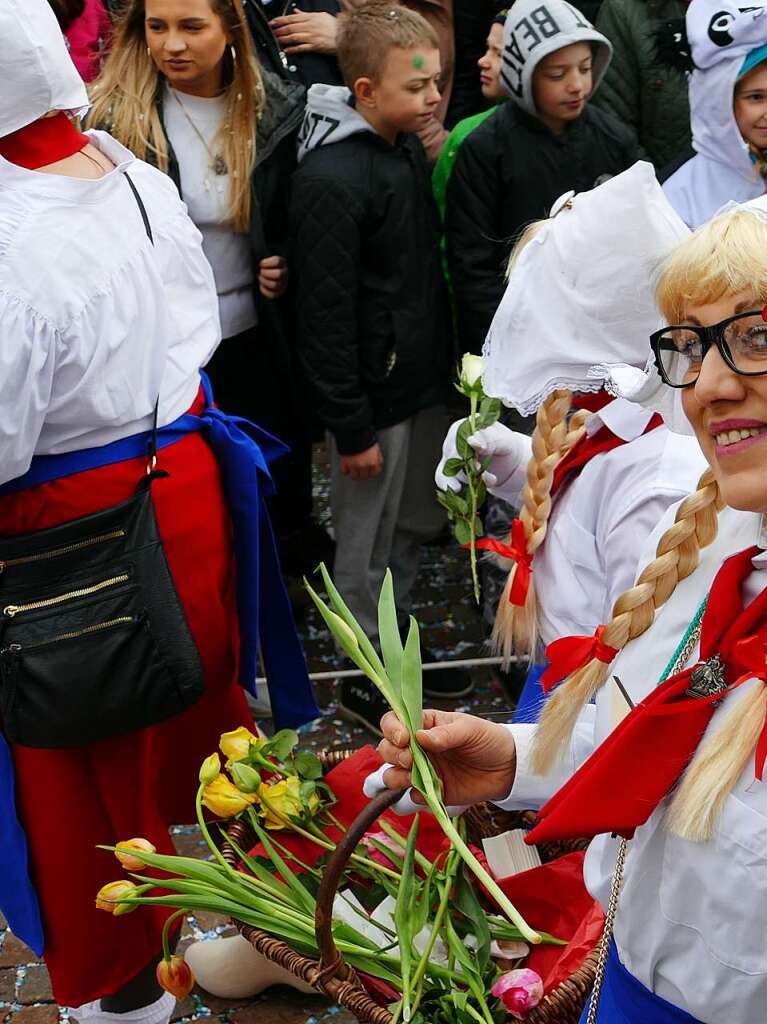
533,30
329,118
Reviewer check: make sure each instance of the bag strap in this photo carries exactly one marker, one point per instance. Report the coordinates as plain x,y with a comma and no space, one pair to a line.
152,442
142,208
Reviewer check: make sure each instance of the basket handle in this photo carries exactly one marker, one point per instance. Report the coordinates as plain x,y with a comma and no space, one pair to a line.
332,964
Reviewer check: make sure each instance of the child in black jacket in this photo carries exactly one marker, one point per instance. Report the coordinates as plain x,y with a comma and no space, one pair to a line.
371,306
543,143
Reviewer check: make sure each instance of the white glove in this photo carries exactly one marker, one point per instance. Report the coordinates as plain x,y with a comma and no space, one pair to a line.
508,449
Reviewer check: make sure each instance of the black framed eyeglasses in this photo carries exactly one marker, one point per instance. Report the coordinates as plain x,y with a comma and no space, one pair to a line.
741,341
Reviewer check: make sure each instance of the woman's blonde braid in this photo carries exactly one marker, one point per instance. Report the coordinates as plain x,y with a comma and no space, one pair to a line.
515,627
677,556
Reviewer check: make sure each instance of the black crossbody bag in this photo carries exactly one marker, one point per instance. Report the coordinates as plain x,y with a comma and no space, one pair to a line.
94,641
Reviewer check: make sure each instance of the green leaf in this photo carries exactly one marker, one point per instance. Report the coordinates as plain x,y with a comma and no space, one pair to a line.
462,532
388,632
455,503
481,493
468,903
281,745
288,876
461,440
412,678
403,916
306,791
479,529
342,609
453,467
308,765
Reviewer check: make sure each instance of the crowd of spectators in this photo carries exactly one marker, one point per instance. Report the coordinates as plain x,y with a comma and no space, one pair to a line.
359,170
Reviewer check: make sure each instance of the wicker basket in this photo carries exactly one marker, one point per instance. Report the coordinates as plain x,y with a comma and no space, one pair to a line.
333,977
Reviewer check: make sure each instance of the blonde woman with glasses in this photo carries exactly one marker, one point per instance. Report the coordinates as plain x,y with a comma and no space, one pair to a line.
666,769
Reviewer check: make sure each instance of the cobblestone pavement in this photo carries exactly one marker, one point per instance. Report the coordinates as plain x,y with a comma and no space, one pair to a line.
451,627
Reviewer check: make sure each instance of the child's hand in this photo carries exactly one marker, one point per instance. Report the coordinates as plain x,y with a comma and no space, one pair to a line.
273,277
475,759
364,465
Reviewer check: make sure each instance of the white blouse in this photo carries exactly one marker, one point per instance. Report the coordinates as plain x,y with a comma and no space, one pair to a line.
206,195
95,321
690,923
599,524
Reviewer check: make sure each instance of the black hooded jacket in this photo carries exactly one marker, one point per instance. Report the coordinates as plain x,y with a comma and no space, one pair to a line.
371,307
508,172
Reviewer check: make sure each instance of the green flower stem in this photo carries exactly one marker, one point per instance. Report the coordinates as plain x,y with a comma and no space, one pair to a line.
319,839
206,834
392,833
431,793
473,510
473,1013
420,971
275,769
166,954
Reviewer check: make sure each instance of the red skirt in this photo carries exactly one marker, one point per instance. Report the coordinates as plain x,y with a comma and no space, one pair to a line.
136,785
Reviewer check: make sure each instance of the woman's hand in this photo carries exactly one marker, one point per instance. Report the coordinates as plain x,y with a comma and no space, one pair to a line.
273,277
506,449
475,759
306,32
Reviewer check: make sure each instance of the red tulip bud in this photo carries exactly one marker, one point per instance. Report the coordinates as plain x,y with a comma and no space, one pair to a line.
175,976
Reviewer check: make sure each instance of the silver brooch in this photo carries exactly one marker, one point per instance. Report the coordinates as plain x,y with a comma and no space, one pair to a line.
707,680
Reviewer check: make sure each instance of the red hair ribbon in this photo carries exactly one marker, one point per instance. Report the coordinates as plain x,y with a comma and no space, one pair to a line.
517,552
749,655
573,652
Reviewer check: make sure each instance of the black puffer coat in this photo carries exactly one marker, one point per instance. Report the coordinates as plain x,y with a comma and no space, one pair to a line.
372,325
508,172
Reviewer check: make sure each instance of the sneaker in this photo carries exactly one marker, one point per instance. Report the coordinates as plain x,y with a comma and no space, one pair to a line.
361,702
445,683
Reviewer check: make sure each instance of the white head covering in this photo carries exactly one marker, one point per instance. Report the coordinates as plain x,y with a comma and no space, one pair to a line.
580,302
36,71
646,387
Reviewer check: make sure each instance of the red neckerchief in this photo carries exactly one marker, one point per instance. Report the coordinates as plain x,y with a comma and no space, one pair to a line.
43,142
627,776
594,401
602,440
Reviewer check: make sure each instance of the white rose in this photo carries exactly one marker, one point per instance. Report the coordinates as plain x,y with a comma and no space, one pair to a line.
471,370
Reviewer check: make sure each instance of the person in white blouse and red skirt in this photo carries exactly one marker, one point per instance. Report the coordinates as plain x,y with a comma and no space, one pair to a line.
127,624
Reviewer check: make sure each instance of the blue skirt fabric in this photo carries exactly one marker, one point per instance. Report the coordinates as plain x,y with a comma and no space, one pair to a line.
532,698
625,1000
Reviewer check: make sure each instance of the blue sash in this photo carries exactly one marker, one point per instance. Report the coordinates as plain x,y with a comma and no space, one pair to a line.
244,452
532,698
626,1001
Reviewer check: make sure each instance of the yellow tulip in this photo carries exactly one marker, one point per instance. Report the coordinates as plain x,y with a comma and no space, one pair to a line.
129,862
235,745
282,801
224,799
109,896
210,769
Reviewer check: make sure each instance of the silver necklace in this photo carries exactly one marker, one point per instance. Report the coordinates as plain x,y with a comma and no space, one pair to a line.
216,162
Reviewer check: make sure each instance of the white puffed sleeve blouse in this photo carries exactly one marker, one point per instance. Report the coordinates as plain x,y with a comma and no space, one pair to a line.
95,321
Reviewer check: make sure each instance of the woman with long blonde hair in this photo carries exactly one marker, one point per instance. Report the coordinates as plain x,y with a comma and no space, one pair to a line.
182,88
673,755
598,472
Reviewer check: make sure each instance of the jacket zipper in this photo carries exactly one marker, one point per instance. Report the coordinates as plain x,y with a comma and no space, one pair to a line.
11,610
58,552
98,628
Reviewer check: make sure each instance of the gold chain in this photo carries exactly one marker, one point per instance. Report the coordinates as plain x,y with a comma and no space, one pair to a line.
217,164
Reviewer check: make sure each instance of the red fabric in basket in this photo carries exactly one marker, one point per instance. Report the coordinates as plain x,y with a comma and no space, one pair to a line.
554,899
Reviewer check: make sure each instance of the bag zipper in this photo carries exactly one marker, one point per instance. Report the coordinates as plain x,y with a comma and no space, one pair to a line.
11,610
98,628
58,552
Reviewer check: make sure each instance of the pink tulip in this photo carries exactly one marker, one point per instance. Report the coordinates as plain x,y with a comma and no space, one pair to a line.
375,854
519,991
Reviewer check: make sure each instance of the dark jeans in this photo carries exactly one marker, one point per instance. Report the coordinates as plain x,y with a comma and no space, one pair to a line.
249,380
